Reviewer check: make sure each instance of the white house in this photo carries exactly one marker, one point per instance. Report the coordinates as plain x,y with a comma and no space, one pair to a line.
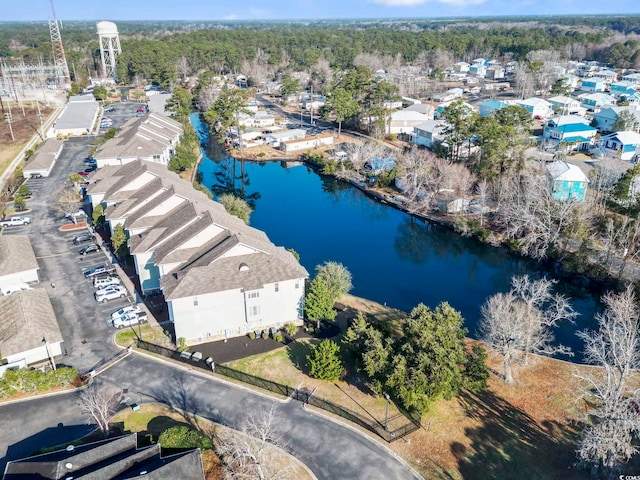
403,121
275,138
595,101
571,130
461,67
153,137
624,145
307,143
428,133
537,107
564,105
449,95
220,277
43,160
259,119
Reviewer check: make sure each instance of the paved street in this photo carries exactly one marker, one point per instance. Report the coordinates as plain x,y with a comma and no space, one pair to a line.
329,449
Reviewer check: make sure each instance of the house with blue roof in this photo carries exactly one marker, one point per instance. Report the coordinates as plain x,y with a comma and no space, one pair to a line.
487,107
596,101
606,117
569,181
592,85
623,145
623,88
378,165
571,131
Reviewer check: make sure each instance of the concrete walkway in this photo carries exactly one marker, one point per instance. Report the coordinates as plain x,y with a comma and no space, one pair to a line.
331,450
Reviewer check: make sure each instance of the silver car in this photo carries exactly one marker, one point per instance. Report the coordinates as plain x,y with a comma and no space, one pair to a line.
111,292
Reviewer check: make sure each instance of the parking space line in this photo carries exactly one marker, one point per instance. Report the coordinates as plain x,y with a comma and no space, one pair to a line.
53,255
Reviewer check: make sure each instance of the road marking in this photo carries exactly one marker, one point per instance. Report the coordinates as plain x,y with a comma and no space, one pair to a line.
54,255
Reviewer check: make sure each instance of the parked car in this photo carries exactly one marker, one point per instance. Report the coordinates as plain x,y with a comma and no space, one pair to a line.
109,109
79,213
111,292
85,237
90,169
15,221
99,282
99,270
83,174
130,319
92,247
125,311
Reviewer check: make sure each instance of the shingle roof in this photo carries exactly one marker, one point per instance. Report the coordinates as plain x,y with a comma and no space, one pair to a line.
16,254
45,155
566,171
78,114
112,459
27,317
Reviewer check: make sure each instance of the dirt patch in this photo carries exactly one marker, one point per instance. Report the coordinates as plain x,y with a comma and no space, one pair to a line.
74,226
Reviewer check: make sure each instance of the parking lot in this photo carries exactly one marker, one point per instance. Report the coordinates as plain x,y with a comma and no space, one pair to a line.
121,113
82,320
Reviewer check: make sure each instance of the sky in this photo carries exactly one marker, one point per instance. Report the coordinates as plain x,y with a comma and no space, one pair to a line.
115,10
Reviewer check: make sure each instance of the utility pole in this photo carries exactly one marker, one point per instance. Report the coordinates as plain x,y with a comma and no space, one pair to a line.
9,120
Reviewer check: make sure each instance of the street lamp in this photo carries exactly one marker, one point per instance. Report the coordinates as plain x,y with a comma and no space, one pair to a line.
46,346
386,413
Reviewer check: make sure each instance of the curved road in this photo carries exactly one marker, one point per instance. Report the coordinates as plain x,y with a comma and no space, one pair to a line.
329,449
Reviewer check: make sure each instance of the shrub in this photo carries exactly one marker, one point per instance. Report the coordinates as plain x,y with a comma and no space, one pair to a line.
324,361
182,436
24,190
182,344
252,335
264,335
278,337
19,202
291,329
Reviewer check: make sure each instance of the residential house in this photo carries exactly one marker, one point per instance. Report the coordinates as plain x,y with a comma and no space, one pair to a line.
606,75
596,101
459,77
307,143
153,137
448,96
570,130
537,107
429,133
43,160
220,277
259,119
623,88
607,116
275,138
461,67
569,181
585,70
403,121
315,103
378,165
564,105
423,108
29,331
487,107
624,145
495,73
592,85
478,70
632,77
447,202
112,459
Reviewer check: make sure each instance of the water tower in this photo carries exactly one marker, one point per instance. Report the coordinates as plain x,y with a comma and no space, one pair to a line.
109,49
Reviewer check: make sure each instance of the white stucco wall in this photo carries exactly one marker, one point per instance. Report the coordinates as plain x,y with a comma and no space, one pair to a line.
27,276
148,272
231,313
36,355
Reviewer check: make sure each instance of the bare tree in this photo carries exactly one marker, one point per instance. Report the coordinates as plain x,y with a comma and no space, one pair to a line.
249,453
183,68
321,75
519,322
67,202
482,190
609,439
99,403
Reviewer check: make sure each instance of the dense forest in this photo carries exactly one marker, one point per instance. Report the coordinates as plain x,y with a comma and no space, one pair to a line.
151,49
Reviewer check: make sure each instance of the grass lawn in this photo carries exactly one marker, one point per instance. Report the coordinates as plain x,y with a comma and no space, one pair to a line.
154,418
127,336
521,431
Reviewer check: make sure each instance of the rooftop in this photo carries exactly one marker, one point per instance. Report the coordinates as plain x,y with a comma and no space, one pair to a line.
45,154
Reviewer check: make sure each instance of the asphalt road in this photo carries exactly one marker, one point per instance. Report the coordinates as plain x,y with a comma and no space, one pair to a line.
329,449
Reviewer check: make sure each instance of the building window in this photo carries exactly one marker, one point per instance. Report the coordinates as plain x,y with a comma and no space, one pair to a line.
277,287
254,311
195,302
253,294
156,157
297,283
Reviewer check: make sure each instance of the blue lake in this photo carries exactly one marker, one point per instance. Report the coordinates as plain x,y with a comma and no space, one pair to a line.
393,257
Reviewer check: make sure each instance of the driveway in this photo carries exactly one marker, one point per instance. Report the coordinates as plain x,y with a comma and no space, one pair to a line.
329,449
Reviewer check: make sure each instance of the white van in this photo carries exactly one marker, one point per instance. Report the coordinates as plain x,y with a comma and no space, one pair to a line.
130,319
104,281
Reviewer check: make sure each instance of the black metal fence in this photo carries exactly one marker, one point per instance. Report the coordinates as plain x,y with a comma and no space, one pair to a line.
284,390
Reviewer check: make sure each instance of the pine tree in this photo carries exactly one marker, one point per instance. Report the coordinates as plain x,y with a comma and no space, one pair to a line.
324,361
